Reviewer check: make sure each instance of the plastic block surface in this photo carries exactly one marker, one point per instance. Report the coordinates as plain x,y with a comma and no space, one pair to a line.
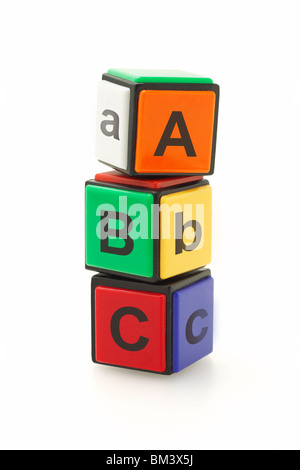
150,183
130,328
175,131
158,76
186,231
112,124
110,212
192,323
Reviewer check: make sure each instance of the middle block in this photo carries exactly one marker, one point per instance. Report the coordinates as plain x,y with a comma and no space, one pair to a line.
146,229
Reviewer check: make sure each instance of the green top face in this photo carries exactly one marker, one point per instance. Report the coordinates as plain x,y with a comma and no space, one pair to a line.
158,76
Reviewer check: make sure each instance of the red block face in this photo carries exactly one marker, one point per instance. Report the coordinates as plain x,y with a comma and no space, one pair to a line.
130,328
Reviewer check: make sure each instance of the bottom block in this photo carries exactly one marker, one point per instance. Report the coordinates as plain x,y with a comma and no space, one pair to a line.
160,328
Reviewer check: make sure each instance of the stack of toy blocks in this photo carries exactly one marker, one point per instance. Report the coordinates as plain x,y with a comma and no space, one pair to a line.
148,222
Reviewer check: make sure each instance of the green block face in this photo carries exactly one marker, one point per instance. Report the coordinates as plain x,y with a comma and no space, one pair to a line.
114,220
158,76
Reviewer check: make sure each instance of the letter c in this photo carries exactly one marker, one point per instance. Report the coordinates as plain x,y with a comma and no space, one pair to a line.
115,328
189,327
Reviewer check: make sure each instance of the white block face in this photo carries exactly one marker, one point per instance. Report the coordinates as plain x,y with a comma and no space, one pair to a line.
112,124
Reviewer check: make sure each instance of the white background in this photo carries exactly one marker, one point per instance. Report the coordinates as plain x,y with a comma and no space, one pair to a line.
244,396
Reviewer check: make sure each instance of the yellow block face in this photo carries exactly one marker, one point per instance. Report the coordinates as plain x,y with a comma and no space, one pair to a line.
185,231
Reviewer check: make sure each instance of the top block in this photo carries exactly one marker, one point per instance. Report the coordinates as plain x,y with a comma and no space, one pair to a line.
157,122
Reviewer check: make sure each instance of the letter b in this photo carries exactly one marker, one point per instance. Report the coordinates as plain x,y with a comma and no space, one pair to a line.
179,231
107,232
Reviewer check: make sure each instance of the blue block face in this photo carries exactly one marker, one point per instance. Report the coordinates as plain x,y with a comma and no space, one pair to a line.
192,323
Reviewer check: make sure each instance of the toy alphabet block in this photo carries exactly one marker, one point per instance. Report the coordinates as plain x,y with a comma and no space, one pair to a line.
160,328
157,122
145,229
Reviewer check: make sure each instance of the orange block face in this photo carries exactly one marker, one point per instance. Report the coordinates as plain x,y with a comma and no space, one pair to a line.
174,131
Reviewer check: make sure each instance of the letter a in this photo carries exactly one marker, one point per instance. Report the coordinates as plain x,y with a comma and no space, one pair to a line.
114,123
183,141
